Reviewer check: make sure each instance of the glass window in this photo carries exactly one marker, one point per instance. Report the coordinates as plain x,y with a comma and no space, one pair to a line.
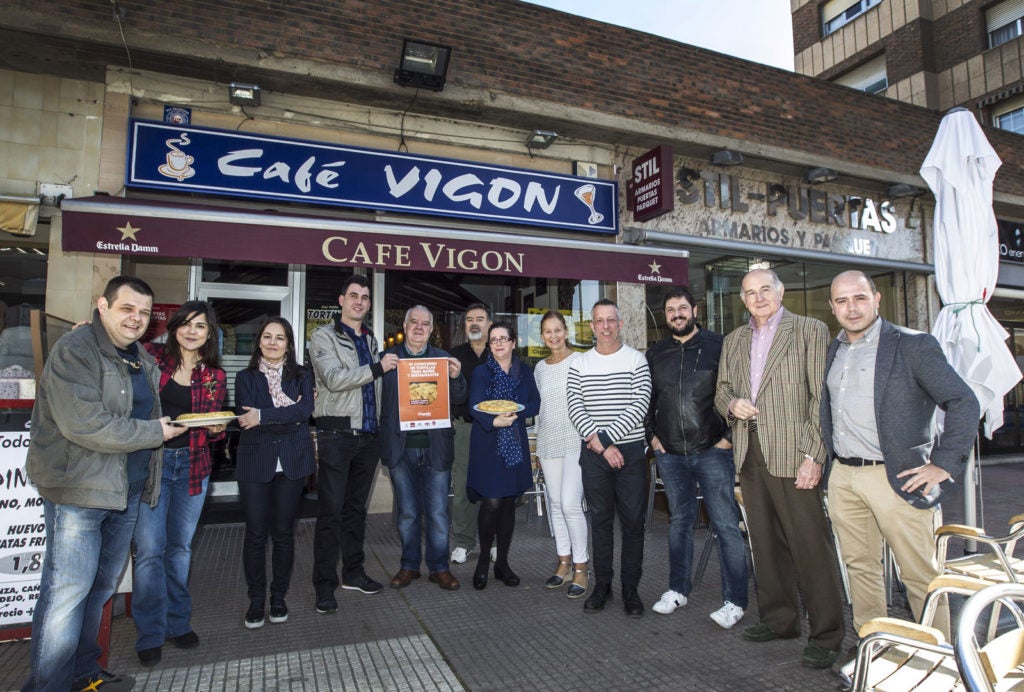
246,273
521,301
1012,121
870,76
1003,22
838,13
715,283
22,289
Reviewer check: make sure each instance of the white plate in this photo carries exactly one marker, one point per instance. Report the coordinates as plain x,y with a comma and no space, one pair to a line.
519,407
203,422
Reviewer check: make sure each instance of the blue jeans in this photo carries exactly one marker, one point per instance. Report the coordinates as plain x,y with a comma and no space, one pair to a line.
161,603
620,491
86,550
715,471
421,494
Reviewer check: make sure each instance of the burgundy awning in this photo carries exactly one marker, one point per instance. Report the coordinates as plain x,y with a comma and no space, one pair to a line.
158,229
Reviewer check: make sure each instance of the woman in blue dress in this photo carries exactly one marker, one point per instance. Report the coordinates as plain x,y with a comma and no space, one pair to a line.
499,451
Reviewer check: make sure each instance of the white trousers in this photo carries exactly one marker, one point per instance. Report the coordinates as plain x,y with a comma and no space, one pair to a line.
564,482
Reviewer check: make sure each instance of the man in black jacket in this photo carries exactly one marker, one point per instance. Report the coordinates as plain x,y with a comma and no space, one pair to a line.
691,444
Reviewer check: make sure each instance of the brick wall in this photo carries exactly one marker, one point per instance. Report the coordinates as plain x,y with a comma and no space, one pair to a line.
806,27
506,48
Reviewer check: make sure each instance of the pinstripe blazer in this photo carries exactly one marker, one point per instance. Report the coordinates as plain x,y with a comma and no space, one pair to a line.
283,433
790,394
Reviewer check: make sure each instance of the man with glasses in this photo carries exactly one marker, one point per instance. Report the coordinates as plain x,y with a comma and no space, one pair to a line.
608,392
769,389
420,462
470,354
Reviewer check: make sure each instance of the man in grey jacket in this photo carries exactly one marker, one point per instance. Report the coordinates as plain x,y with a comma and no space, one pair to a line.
348,367
883,385
96,436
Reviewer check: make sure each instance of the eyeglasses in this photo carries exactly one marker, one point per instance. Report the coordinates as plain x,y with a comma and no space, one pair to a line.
494,341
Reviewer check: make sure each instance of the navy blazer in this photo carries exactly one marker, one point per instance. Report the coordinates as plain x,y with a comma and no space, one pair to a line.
283,433
392,438
912,379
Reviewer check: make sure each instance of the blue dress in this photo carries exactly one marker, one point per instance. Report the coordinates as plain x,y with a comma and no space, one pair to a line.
488,476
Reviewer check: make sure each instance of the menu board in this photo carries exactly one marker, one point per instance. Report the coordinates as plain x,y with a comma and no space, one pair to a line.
22,531
423,394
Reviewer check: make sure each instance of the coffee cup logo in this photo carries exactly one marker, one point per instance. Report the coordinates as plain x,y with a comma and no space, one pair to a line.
178,164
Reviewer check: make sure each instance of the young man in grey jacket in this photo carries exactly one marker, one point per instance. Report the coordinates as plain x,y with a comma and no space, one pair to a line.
348,367
97,431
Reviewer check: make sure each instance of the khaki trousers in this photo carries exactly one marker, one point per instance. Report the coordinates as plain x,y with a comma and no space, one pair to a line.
864,509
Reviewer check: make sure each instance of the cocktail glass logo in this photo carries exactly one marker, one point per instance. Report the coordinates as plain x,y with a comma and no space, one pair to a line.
178,164
586,194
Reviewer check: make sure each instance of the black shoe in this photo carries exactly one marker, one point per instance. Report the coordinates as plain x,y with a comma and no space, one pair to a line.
597,601
632,604
480,579
363,584
254,616
106,681
278,610
189,640
326,604
506,575
150,657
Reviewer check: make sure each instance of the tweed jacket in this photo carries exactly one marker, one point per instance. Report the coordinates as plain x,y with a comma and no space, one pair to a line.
789,396
912,379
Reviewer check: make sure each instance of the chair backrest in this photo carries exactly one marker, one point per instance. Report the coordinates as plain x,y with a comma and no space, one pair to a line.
982,667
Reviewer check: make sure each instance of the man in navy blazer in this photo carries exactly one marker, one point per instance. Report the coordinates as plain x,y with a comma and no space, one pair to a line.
420,461
883,384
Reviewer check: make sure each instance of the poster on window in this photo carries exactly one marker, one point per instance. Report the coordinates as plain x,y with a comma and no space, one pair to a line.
423,394
22,531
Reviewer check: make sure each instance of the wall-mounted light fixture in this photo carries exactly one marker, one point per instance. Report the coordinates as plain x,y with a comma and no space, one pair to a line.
541,139
687,177
901,190
777,193
816,176
727,157
424,65
244,94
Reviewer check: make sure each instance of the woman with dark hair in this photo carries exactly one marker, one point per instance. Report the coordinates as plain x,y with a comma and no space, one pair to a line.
190,382
275,455
499,452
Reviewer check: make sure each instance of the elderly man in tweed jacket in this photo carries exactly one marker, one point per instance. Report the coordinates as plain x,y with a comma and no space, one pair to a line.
769,388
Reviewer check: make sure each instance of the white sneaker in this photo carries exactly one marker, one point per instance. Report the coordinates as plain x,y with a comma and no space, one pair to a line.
728,615
670,600
494,553
460,555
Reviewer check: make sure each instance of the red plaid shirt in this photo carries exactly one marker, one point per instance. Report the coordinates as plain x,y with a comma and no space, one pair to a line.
209,387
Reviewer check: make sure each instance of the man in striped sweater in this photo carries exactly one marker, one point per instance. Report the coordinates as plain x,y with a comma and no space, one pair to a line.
609,390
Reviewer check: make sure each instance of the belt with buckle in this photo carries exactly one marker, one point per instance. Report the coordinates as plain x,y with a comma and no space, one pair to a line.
357,433
857,461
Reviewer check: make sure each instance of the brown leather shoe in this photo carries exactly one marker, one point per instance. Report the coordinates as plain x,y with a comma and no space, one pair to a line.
446,580
404,578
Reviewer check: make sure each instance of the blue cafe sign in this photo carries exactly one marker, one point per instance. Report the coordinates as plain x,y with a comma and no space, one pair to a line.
222,162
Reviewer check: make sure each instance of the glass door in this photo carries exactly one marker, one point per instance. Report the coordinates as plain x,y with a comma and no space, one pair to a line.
242,296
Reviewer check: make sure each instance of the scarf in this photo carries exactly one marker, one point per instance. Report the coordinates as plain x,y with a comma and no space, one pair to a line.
503,386
273,373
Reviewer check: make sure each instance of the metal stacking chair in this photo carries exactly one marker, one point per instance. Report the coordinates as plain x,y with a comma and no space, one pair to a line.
899,655
995,564
998,663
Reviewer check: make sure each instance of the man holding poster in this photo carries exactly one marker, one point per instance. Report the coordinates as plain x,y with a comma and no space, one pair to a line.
417,445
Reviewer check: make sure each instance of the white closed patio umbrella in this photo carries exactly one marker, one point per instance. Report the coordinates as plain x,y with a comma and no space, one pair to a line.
959,169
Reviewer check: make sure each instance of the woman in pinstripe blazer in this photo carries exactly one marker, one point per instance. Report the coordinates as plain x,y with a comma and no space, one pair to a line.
274,457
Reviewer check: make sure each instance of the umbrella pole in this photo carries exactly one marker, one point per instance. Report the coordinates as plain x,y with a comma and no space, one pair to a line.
971,494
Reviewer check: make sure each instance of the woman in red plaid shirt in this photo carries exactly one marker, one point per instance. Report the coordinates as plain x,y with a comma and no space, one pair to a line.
190,382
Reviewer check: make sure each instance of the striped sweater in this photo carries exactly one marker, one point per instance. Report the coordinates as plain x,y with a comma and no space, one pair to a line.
609,395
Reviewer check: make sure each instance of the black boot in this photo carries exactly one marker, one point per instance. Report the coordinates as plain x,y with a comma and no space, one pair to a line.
598,599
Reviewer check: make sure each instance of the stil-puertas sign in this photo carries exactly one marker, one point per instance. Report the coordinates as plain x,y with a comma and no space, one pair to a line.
222,162
650,191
